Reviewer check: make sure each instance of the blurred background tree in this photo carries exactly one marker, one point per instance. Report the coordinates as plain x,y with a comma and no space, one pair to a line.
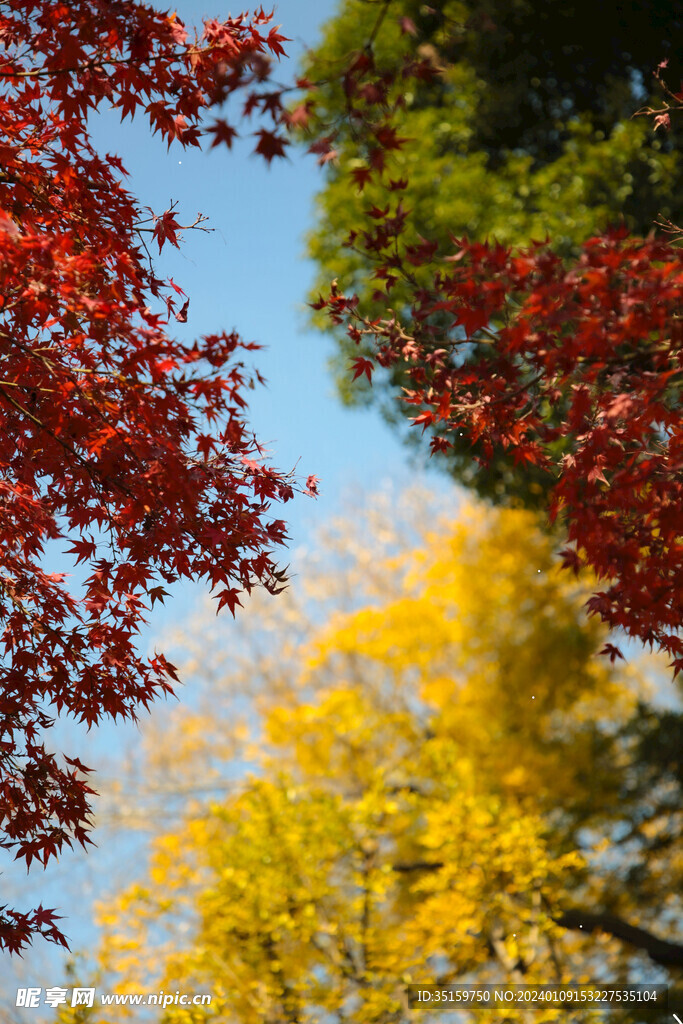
524,132
435,779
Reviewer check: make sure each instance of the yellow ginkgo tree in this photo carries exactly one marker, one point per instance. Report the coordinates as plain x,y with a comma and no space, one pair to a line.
438,794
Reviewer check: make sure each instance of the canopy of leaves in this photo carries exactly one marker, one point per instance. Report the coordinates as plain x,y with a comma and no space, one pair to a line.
513,122
118,441
569,367
447,779
580,376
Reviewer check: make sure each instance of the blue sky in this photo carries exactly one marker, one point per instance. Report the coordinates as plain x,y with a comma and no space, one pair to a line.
248,274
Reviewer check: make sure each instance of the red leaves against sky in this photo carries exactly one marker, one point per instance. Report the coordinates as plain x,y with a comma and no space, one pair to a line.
131,447
117,441
577,369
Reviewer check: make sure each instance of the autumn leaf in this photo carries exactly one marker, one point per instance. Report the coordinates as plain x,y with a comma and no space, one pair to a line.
166,228
270,145
362,366
223,133
408,26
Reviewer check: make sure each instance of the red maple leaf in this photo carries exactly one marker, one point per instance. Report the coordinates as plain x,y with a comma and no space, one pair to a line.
362,366
270,145
166,228
223,133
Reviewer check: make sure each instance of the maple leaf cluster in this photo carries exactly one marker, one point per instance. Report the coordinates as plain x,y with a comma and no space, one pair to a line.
117,439
671,102
575,368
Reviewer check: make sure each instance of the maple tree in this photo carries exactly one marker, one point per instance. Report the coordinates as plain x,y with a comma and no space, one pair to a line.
523,131
440,788
116,437
566,368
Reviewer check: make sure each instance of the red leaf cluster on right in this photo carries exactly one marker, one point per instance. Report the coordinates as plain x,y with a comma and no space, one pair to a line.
576,369
581,374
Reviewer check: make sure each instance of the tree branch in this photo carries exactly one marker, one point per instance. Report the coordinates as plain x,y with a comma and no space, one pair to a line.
418,865
669,954
661,951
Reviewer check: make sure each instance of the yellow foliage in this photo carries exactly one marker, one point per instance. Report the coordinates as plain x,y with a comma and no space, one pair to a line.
417,805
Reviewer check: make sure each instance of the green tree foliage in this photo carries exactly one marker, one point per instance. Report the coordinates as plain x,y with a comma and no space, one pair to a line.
441,792
524,132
